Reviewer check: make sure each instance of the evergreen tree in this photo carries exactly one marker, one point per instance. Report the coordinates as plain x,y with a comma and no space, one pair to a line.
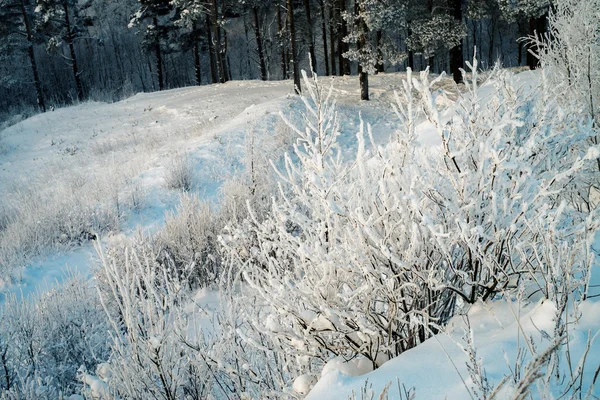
62,22
155,32
530,13
370,19
190,15
17,29
432,29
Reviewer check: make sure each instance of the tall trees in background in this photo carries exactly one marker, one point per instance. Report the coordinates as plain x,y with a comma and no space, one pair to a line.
17,19
530,13
175,43
155,31
292,25
61,21
190,15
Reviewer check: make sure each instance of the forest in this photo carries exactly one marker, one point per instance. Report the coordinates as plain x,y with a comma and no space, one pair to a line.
59,52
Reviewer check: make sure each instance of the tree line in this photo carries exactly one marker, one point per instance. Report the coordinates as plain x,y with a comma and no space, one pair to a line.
62,51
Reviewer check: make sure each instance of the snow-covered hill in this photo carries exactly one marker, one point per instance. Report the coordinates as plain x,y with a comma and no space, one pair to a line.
100,171
104,166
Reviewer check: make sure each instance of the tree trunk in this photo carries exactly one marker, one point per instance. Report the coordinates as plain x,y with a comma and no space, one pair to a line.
537,26
211,51
324,34
224,54
248,56
361,26
32,60
344,63
197,70
290,10
456,53
74,66
311,42
332,38
379,66
280,33
216,36
259,46
532,61
411,54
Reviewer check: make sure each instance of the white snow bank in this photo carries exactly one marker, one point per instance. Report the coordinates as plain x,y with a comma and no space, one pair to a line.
436,369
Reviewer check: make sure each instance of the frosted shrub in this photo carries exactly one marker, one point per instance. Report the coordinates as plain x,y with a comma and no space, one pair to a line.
165,344
180,172
571,53
76,210
44,340
189,240
373,257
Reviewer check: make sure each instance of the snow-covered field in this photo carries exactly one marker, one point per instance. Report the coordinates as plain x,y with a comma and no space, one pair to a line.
116,158
111,165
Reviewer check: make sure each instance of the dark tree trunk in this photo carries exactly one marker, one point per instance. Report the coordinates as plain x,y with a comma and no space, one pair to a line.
411,54
363,76
248,56
324,34
32,60
332,39
259,46
456,53
211,51
344,63
280,34
158,54
380,66
492,37
224,54
311,43
537,26
197,70
216,36
70,40
290,10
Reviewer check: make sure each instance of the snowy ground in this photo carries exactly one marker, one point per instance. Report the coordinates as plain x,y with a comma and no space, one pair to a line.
120,153
437,369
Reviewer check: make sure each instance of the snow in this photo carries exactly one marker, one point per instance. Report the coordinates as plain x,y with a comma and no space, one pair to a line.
437,367
122,151
130,143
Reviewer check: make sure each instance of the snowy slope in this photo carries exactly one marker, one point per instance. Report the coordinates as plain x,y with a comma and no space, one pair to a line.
119,154
437,369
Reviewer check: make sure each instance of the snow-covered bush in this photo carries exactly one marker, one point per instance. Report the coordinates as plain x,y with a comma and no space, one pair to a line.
189,240
372,257
571,53
45,339
40,218
180,172
168,344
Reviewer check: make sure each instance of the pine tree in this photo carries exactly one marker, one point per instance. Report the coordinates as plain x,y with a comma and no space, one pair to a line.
189,17
369,21
432,29
530,13
256,8
62,22
17,22
154,33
